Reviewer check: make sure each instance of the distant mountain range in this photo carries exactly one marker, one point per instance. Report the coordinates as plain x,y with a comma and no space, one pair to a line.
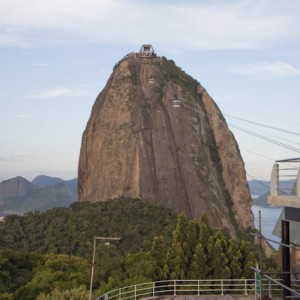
258,187
44,181
18,195
260,190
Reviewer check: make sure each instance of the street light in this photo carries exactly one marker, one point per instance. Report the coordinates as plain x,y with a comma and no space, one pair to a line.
93,260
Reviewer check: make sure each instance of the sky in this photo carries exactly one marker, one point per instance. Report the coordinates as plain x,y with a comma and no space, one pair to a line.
56,56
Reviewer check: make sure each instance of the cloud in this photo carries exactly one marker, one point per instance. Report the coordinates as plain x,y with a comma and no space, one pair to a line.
23,116
232,24
60,92
35,64
12,37
20,157
265,70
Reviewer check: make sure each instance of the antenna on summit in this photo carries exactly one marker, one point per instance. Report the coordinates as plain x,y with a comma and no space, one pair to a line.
147,51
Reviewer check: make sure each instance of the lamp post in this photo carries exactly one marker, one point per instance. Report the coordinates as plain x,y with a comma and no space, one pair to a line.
93,260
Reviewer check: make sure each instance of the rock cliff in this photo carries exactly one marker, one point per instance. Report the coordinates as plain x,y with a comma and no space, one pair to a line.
14,187
155,133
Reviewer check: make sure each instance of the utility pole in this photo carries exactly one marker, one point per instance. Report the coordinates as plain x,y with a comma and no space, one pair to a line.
95,238
260,258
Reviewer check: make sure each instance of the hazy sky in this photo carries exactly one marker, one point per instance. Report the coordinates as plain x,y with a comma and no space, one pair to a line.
56,56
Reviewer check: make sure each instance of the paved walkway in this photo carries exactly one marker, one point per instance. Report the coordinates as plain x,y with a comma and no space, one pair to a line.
208,297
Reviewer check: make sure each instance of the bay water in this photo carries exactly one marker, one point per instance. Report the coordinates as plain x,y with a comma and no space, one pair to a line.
269,217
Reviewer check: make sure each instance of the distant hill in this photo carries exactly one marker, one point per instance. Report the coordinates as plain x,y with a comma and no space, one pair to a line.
14,187
136,221
260,190
260,187
71,185
262,200
18,195
43,180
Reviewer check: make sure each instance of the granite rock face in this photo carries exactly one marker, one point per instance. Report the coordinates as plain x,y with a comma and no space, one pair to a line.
14,187
155,133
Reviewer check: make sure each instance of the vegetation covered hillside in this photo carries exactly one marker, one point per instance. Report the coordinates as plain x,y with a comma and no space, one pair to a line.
50,253
71,230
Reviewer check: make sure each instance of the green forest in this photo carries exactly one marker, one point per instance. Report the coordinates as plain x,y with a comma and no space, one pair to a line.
48,255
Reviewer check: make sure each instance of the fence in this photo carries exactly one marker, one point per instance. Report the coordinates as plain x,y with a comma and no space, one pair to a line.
192,287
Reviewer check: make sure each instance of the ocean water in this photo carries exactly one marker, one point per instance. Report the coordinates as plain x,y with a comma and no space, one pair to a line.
269,217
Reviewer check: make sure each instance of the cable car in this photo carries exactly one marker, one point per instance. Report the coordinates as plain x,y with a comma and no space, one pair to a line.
176,103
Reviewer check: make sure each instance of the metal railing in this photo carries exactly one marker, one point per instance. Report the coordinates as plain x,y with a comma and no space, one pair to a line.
192,287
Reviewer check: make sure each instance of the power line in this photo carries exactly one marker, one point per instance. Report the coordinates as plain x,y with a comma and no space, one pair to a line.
267,133
261,179
284,163
266,138
263,125
258,181
260,114
263,156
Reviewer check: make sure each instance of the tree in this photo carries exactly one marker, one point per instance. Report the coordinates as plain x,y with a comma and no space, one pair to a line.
158,256
139,266
59,271
108,262
180,254
249,259
16,269
79,293
205,233
200,268
192,237
234,258
217,257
